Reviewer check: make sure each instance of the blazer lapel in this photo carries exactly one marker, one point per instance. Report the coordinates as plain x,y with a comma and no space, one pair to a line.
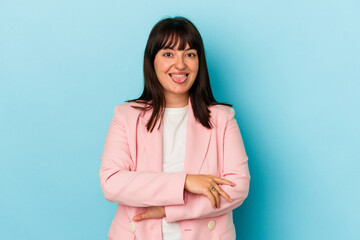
152,143
197,143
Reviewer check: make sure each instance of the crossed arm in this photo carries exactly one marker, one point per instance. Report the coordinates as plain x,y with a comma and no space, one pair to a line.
195,196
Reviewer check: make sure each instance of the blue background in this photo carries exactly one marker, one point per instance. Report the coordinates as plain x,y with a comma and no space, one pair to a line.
290,68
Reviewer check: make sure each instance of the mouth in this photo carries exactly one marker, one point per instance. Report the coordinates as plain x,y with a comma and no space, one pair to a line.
179,78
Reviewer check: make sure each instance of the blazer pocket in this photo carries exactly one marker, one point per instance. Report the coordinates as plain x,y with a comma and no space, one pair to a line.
119,232
228,235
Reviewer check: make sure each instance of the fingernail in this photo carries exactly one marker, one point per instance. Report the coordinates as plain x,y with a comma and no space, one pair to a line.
230,199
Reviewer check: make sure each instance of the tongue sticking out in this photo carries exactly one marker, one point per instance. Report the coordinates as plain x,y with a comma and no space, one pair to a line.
178,79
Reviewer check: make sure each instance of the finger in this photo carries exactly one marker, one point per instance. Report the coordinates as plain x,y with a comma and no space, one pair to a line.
211,197
137,218
222,193
223,181
140,216
216,195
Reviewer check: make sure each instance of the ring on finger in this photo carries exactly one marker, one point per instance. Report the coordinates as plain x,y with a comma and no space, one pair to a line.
212,189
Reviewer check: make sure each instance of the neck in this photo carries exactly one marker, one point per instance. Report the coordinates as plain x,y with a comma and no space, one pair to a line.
176,101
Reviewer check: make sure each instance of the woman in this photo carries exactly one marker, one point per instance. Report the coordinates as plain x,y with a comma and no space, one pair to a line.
174,159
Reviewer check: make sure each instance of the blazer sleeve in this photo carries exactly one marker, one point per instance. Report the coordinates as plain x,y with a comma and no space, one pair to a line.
235,169
121,183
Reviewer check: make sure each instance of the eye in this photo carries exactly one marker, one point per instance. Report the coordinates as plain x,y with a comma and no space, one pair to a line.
192,55
167,54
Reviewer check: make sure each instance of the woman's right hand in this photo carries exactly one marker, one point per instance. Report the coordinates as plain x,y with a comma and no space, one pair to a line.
208,186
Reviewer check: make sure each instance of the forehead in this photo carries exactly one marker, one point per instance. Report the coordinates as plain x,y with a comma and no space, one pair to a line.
175,41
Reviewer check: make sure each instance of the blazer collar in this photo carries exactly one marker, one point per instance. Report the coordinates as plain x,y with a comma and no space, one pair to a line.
197,143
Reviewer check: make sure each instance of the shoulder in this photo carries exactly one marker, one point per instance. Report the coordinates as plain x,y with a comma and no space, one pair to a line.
127,110
221,115
221,112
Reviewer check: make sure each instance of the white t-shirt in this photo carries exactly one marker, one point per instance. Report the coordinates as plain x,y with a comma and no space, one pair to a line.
174,144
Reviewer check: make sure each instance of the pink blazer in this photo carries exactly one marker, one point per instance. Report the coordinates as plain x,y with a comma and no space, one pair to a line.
131,175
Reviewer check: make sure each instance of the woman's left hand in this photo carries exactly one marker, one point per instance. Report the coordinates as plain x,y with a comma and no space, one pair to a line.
151,212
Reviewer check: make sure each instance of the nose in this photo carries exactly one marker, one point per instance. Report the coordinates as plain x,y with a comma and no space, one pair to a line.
180,64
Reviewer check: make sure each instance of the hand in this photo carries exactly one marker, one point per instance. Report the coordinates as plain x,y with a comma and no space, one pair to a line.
208,186
151,212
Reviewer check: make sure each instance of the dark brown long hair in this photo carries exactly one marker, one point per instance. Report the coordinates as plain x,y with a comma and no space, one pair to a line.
166,34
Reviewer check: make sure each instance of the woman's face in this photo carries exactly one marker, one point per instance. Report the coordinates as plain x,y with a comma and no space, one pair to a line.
176,71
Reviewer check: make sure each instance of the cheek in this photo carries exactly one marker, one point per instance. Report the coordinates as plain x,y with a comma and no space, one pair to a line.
158,65
194,66
162,68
